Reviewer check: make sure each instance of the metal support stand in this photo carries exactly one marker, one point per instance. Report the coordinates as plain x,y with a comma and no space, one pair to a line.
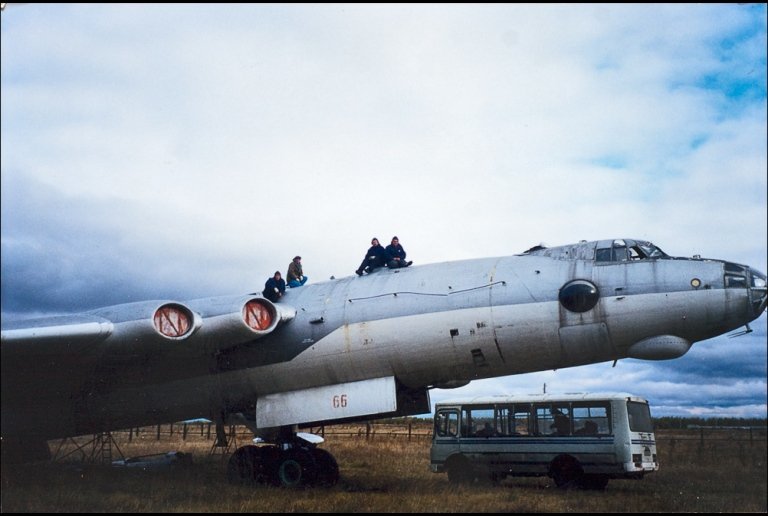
224,442
100,449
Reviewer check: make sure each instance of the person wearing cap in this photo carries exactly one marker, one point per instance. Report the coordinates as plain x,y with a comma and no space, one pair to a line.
375,257
396,254
295,274
274,288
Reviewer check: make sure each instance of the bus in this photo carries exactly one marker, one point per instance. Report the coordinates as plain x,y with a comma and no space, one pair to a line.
579,440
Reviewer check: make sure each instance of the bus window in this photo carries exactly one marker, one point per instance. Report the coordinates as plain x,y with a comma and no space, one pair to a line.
553,420
479,421
447,423
544,419
512,420
595,413
504,420
562,420
522,415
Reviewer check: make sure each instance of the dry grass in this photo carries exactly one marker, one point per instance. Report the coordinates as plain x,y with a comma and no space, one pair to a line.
390,474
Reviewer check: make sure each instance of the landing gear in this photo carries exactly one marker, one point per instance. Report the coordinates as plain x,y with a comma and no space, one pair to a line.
295,468
291,462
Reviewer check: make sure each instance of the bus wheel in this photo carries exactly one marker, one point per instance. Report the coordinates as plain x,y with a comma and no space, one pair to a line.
460,471
596,482
566,472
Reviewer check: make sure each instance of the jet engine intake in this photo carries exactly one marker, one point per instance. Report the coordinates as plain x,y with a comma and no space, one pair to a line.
230,322
149,322
174,321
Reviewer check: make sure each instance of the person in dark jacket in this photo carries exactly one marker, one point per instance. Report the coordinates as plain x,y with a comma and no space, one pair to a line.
375,257
274,288
396,255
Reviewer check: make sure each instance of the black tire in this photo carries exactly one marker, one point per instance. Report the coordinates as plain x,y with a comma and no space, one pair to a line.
296,468
327,468
566,472
460,470
245,466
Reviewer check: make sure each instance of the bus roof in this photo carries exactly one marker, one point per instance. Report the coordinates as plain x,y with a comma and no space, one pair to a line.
534,398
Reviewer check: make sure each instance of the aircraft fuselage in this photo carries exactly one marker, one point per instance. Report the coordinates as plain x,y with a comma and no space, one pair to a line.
436,325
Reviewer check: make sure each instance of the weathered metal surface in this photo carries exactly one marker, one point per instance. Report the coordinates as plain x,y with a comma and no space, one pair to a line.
427,325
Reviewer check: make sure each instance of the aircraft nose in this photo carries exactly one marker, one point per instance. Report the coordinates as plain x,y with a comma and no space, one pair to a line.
757,285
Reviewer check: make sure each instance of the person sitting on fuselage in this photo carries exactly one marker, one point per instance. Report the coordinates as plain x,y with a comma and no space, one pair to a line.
375,257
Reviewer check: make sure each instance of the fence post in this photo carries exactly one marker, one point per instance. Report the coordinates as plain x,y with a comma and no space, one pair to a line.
158,432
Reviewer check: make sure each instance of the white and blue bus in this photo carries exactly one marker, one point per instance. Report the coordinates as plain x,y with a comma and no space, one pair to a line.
577,439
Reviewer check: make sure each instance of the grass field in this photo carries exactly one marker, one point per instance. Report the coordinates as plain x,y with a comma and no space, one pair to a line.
388,473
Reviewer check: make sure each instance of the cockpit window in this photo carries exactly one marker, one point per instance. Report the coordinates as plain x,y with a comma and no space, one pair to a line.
616,253
650,250
621,251
732,281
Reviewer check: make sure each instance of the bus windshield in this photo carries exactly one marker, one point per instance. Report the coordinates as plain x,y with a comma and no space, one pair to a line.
639,417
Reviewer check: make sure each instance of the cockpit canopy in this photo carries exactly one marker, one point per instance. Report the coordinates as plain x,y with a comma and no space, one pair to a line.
602,251
623,250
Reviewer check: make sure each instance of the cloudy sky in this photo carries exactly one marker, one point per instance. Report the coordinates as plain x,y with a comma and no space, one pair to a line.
156,151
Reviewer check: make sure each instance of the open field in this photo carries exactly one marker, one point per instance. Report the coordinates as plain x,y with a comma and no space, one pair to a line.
723,472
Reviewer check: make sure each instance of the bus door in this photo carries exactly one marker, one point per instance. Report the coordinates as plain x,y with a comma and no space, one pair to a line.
445,439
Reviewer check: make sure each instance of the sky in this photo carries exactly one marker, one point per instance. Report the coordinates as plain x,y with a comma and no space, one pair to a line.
186,151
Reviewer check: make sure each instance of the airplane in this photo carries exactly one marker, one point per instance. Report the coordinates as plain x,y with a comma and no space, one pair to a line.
357,348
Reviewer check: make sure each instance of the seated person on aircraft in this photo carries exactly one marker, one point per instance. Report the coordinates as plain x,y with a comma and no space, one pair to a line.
295,274
274,288
396,255
375,257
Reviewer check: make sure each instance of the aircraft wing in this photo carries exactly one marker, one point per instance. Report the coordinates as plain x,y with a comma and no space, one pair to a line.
58,371
74,331
149,329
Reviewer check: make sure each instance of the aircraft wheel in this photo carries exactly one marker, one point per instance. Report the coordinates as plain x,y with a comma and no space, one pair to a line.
246,466
296,468
327,468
